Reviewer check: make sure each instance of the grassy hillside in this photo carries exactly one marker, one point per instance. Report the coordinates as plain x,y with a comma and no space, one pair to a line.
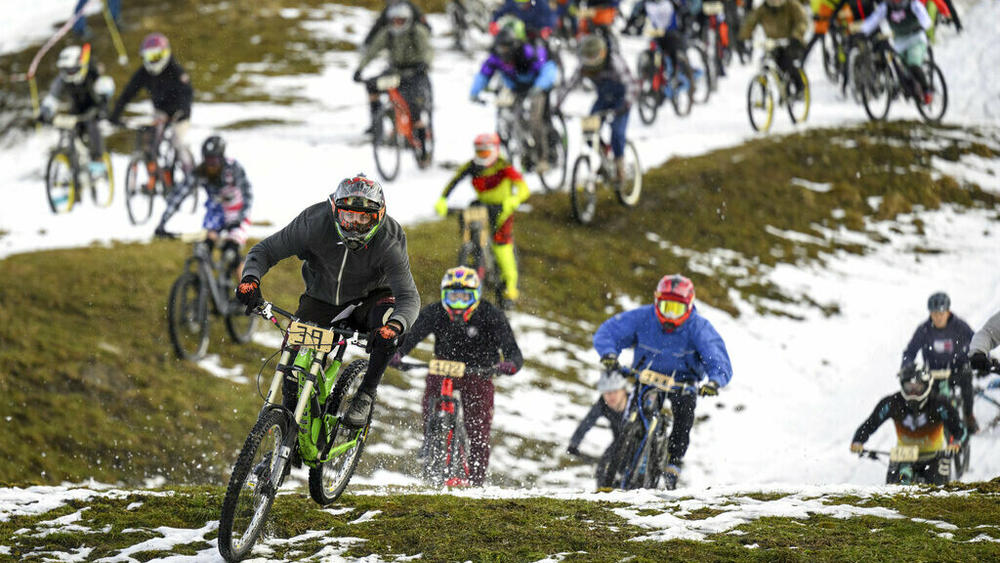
953,525
89,387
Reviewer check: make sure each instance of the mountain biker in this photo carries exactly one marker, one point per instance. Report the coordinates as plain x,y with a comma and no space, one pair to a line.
80,90
383,19
670,337
943,341
983,342
662,17
354,255
920,420
466,329
611,404
616,90
410,56
227,210
527,71
501,188
781,19
598,18
537,16
909,22
169,87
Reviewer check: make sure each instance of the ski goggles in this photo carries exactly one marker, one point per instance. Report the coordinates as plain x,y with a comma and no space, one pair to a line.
154,55
485,153
915,387
356,221
459,298
672,309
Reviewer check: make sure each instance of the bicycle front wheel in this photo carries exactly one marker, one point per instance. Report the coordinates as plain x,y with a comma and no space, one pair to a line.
140,190
252,487
876,83
934,111
60,183
760,103
328,480
102,188
798,108
649,98
553,176
583,191
386,145
437,446
187,316
629,190
704,82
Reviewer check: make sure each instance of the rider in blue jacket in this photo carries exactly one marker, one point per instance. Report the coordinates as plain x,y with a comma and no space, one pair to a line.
672,338
538,17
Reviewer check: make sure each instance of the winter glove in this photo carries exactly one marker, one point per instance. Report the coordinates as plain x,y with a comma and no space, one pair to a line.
389,331
248,293
857,447
441,206
396,360
356,76
980,361
710,389
953,448
573,450
161,232
609,361
506,368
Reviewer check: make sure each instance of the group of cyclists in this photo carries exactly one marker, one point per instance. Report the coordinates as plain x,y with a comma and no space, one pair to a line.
355,255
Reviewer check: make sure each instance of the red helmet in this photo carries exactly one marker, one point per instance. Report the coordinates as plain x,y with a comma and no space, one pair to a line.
673,300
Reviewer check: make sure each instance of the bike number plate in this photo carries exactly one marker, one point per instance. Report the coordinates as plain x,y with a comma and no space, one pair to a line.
712,8
63,121
387,82
904,453
656,379
506,98
446,368
940,374
311,336
590,124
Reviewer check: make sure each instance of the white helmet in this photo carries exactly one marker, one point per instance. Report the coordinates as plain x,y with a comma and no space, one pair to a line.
400,17
74,62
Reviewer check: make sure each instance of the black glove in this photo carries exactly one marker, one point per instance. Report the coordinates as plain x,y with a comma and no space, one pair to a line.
972,424
573,450
248,293
356,76
980,361
160,232
710,389
609,361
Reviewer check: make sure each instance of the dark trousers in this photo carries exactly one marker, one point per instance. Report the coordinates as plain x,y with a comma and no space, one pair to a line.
371,313
788,58
477,408
680,435
935,471
674,45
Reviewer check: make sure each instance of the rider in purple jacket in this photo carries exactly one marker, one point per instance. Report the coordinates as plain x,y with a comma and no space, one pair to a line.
672,338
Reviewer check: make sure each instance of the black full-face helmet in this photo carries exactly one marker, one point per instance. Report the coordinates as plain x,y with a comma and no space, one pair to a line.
915,385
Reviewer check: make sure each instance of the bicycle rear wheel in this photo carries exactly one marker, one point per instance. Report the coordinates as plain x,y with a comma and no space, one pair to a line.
583,191
328,480
252,487
704,83
140,190
934,111
60,182
386,145
187,316
628,192
239,325
760,103
102,189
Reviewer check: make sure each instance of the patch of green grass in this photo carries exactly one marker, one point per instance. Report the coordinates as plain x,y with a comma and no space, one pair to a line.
255,123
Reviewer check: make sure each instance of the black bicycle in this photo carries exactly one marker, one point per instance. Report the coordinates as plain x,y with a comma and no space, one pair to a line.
941,379
154,169
524,150
883,76
638,458
312,433
907,468
205,287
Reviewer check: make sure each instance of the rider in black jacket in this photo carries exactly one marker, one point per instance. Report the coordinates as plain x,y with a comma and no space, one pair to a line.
469,330
169,87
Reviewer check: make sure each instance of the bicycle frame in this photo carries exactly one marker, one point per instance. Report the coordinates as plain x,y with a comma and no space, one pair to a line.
209,271
449,405
597,150
389,85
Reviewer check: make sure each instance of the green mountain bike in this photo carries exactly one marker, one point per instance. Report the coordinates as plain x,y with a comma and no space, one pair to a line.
312,433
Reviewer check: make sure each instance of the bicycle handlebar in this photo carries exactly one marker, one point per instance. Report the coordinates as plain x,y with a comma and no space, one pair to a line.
267,309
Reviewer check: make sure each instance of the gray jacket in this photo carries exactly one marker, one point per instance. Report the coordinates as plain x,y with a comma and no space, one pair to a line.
334,274
988,337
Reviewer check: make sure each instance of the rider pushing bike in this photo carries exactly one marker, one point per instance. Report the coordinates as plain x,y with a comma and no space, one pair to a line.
920,420
501,188
616,90
230,197
670,337
470,330
169,87
354,256
410,56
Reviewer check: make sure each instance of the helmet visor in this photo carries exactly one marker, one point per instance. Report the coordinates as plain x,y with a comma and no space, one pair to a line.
484,154
352,221
153,56
672,309
915,387
458,298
